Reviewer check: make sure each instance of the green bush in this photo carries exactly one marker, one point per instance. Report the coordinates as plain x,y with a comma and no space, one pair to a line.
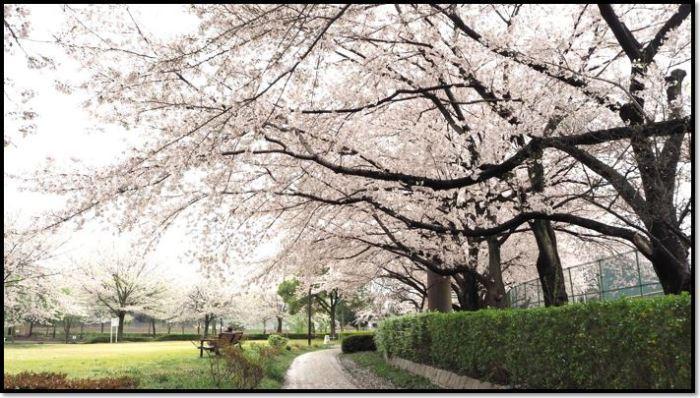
621,344
265,336
343,335
178,337
141,337
277,341
125,338
358,342
256,336
242,368
298,336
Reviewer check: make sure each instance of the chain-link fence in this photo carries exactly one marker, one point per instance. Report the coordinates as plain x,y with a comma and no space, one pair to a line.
624,275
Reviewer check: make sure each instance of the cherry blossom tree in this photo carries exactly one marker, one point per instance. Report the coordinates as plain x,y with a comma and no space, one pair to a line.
266,304
442,127
18,110
70,307
207,300
29,292
123,285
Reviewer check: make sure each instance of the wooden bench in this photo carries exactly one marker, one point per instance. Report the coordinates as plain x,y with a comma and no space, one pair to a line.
225,338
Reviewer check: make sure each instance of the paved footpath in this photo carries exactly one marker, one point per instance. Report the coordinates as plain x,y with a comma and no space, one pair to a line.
318,369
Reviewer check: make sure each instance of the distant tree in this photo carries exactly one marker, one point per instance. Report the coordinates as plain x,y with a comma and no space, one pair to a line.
124,285
70,308
207,300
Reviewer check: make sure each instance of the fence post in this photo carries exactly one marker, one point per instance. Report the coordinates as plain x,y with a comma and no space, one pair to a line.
639,274
600,275
512,297
571,283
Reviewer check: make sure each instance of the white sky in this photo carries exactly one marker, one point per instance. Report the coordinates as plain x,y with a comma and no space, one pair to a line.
66,134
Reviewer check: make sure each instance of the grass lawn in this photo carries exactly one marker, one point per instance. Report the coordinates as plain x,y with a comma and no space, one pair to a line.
168,364
374,361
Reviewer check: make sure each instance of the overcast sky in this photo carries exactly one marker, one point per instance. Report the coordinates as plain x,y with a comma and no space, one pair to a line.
66,136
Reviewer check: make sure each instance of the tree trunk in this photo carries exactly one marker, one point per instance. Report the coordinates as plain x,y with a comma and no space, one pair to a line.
102,327
207,319
153,325
82,328
120,329
279,324
438,292
264,326
497,297
53,336
31,329
658,172
467,291
670,261
66,328
548,264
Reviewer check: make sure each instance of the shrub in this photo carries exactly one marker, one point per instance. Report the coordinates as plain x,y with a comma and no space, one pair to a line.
241,368
59,381
265,336
125,338
621,344
138,337
276,341
178,337
256,336
343,335
358,342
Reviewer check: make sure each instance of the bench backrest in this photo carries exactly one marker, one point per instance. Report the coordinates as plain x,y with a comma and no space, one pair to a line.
230,337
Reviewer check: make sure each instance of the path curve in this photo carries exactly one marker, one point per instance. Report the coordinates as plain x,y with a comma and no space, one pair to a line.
318,369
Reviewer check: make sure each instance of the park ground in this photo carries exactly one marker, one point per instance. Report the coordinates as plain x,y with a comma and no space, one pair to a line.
168,365
176,365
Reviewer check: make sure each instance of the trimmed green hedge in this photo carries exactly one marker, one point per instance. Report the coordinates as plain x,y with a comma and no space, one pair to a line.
621,344
138,337
265,336
178,337
358,342
354,333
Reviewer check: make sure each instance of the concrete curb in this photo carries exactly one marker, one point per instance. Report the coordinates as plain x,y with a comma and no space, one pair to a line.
441,377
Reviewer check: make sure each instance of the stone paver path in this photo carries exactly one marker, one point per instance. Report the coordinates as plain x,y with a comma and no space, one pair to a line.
318,369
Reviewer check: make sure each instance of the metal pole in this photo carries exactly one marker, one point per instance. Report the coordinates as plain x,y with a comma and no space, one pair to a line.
571,283
308,311
513,296
639,274
600,275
